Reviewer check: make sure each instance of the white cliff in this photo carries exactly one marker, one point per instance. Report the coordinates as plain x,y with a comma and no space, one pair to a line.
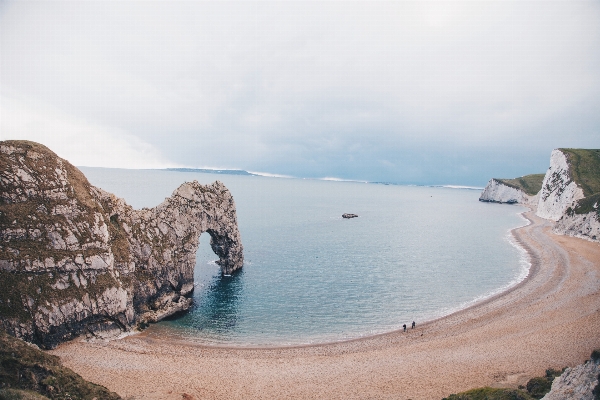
585,226
498,192
559,190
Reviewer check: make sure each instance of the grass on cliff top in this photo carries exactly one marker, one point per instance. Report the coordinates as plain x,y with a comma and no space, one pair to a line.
585,169
530,184
29,373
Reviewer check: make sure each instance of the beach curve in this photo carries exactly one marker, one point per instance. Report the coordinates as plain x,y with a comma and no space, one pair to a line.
548,320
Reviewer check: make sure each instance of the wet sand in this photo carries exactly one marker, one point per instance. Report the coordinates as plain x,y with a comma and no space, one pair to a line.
550,320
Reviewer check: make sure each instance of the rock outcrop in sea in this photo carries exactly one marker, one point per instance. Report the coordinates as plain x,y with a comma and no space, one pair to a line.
569,193
76,260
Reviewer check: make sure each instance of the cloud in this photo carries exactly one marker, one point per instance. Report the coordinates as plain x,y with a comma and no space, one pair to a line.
80,142
369,90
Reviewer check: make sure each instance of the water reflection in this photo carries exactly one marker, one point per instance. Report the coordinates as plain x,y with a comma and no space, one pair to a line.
216,309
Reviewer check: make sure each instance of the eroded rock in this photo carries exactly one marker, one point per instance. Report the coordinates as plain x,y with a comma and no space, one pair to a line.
75,259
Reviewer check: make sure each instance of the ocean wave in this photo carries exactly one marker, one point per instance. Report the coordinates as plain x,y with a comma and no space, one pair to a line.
270,175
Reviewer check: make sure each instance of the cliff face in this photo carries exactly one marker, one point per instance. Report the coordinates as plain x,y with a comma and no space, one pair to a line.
559,190
570,194
75,259
580,382
581,225
497,191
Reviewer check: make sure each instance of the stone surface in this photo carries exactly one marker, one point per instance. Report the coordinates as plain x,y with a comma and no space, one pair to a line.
75,259
584,226
497,192
559,191
560,199
577,383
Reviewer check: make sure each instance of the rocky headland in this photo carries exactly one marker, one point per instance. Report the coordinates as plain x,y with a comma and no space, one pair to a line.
523,190
568,194
76,260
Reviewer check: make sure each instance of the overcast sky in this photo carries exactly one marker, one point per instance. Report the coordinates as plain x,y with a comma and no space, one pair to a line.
408,92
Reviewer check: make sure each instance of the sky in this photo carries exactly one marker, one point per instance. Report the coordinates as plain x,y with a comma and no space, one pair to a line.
407,92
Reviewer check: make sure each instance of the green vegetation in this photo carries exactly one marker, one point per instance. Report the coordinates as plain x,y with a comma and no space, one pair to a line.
28,373
586,205
536,388
488,393
17,394
585,171
530,184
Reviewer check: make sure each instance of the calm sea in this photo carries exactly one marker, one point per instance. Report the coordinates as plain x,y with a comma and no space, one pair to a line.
310,276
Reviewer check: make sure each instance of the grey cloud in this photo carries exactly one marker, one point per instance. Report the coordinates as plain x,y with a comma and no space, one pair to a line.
395,91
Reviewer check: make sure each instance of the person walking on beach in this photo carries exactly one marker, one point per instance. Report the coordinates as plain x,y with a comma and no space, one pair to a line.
404,326
413,325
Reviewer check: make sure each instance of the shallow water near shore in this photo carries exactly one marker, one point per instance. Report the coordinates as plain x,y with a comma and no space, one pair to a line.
310,276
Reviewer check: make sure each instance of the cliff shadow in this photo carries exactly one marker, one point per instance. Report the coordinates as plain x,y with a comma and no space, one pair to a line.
216,297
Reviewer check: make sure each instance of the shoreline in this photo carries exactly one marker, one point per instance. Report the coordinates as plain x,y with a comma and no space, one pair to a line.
470,304
500,341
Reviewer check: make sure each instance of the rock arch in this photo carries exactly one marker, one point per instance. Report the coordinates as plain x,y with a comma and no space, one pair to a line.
75,259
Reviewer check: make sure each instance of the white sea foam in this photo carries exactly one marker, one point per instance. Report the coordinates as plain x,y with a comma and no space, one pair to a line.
458,187
270,175
334,179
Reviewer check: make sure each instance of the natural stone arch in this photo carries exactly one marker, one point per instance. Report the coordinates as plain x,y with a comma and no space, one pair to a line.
194,209
78,260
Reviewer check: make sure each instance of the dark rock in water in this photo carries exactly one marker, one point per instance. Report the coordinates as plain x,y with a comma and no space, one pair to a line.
349,216
75,259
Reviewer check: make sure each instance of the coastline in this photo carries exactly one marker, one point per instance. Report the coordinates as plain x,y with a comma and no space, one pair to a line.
549,319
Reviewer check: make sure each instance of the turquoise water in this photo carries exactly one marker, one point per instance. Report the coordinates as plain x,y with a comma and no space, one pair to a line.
310,276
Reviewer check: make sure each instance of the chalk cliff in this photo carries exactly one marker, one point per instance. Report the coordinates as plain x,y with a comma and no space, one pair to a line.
582,220
75,259
496,191
559,190
570,193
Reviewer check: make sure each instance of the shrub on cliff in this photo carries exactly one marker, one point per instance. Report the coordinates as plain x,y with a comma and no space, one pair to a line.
536,389
488,393
24,369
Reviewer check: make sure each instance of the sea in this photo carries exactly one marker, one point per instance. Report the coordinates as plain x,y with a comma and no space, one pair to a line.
414,253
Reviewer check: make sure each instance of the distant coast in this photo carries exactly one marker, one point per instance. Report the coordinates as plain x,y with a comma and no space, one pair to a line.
550,319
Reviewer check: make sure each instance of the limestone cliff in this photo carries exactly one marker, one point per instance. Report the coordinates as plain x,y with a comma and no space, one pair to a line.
559,190
570,193
582,220
577,383
75,259
510,191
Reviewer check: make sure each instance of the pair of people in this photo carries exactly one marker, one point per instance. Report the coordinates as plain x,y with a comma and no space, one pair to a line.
413,326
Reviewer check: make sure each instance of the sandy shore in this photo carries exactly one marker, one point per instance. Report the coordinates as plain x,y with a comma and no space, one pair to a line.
552,319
